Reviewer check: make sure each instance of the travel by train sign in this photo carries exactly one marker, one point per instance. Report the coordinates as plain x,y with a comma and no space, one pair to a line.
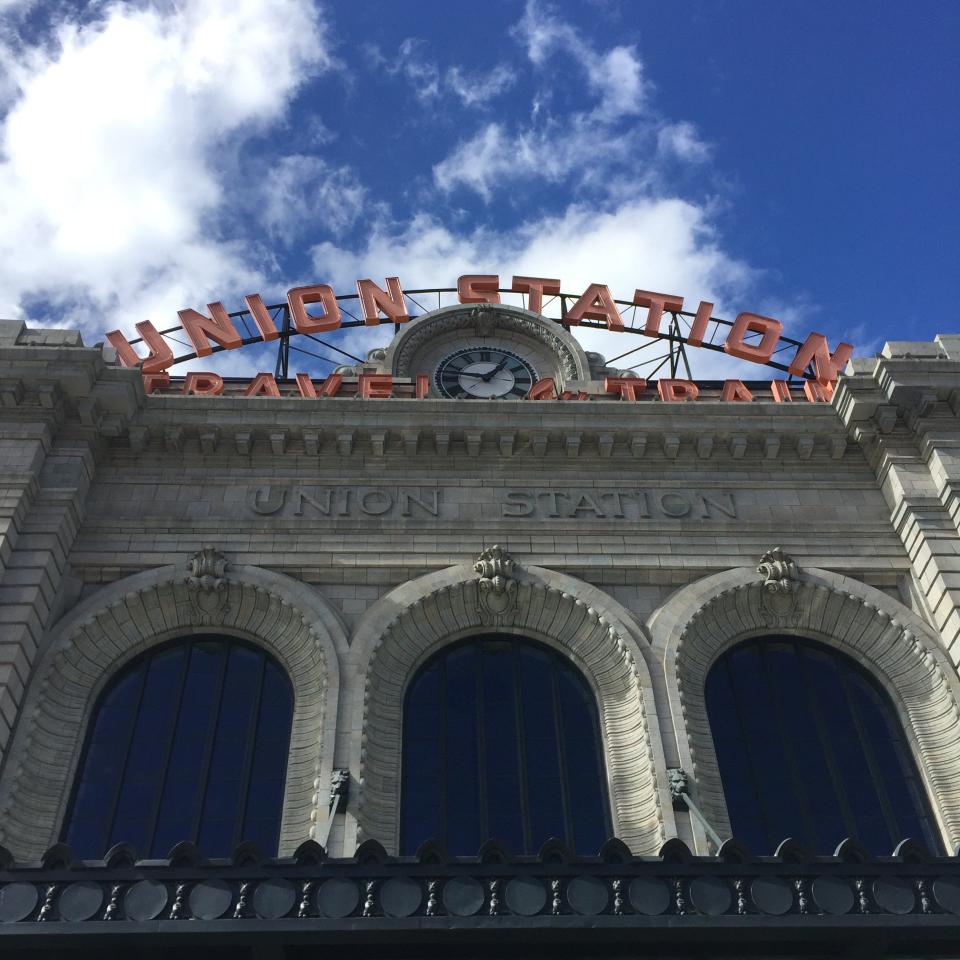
315,311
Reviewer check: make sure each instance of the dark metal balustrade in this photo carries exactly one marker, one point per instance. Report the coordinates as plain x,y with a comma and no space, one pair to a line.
491,904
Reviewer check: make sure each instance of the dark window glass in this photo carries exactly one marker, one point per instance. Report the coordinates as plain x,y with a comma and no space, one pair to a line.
501,740
189,742
809,747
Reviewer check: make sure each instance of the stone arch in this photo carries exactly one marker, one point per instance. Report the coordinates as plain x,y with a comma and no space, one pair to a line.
103,633
703,620
595,632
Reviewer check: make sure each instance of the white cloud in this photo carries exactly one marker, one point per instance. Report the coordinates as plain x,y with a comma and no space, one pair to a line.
586,146
615,76
664,244
428,82
112,150
476,89
302,191
681,140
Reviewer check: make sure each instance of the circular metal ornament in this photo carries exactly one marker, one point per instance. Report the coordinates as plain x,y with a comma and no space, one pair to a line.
463,896
710,895
894,895
80,901
649,896
832,895
526,896
772,895
145,899
946,891
400,897
587,895
337,898
274,898
210,899
17,901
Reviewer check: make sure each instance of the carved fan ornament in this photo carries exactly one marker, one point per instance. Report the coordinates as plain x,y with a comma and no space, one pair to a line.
207,583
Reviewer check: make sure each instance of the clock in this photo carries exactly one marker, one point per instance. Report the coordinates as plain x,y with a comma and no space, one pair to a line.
484,373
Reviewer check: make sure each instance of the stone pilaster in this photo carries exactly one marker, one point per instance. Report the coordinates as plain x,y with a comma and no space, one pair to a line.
902,407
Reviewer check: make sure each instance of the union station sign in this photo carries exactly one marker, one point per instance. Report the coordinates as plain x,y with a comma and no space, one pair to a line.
316,310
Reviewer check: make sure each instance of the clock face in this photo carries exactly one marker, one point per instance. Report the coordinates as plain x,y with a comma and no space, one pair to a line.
484,373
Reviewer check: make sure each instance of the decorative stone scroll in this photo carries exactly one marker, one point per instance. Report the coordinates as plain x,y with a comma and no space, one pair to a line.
597,634
778,571
208,585
497,587
701,621
124,619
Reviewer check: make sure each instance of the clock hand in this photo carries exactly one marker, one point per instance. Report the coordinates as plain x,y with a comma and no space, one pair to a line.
489,376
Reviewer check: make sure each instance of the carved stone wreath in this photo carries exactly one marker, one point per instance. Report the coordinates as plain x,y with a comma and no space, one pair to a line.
490,317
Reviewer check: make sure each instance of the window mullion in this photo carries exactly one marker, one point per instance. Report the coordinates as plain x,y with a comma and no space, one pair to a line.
481,740
521,749
115,802
442,749
254,722
562,758
789,746
823,733
165,762
867,747
214,722
755,772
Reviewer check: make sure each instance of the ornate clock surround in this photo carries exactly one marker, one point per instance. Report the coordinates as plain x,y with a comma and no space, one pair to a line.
569,362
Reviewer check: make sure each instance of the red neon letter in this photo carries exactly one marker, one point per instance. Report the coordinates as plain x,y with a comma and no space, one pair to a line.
818,392
322,293
305,386
261,317
390,301
544,389
376,386
656,303
262,385
478,288
154,381
826,365
331,386
159,358
423,386
735,390
673,390
203,384
627,387
595,304
535,288
781,391
746,323
218,326
699,326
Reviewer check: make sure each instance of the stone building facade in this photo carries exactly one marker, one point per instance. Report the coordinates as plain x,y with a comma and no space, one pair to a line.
354,538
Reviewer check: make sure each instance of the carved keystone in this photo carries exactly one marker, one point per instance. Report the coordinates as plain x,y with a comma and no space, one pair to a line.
207,569
778,570
497,587
207,584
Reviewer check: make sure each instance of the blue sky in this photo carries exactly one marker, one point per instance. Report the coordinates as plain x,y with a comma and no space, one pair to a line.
797,159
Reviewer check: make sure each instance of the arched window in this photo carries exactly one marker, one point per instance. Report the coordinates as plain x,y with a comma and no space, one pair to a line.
501,741
188,742
810,747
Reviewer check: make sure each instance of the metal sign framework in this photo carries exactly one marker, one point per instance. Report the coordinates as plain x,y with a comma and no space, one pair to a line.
668,347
